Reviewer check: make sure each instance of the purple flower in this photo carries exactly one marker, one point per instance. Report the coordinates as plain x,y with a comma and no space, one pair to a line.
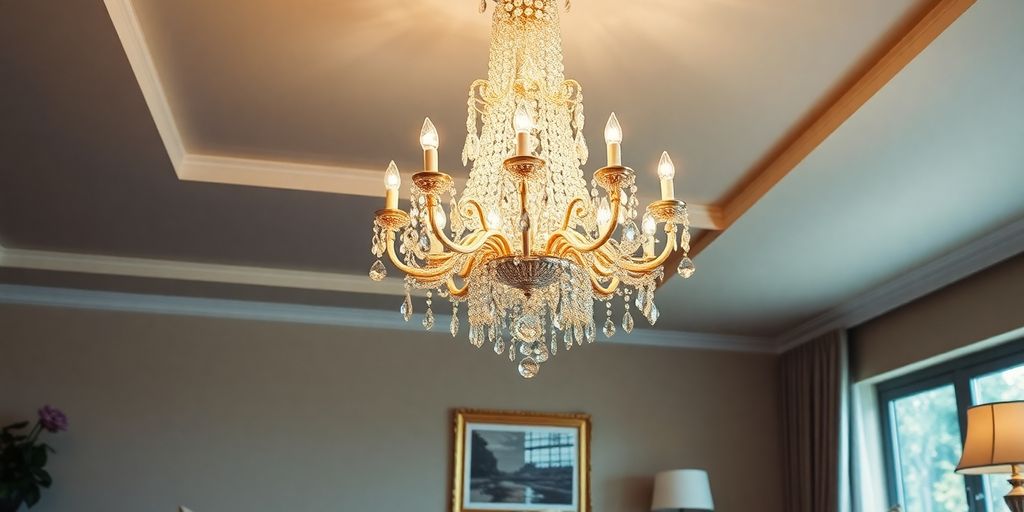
52,419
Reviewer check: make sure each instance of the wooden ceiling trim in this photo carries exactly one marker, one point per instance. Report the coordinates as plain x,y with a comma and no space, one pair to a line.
838,107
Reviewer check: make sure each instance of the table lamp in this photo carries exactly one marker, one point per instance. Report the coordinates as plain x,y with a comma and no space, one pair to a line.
682,489
995,444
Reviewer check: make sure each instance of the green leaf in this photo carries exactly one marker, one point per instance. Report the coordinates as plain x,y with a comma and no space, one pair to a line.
44,478
31,495
38,458
16,426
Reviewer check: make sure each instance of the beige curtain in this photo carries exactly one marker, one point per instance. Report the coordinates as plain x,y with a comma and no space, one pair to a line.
814,390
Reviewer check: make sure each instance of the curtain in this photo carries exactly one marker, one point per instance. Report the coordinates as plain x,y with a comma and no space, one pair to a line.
814,386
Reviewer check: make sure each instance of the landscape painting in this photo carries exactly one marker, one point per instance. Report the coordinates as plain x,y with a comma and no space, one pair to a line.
515,466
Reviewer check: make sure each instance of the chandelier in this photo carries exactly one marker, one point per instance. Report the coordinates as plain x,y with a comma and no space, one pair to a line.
527,246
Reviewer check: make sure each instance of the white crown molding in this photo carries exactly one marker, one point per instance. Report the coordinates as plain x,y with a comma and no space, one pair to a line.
320,315
999,245
189,271
286,175
258,172
129,30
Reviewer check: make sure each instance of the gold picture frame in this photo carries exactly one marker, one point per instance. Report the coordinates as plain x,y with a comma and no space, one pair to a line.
529,471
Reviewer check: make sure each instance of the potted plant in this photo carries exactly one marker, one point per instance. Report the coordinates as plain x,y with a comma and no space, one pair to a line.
23,459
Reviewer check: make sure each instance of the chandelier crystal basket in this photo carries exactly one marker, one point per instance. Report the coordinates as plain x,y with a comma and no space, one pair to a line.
527,246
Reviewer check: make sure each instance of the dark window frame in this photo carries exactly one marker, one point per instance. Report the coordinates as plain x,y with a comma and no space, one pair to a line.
959,373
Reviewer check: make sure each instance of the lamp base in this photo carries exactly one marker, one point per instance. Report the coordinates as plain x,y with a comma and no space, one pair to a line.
1015,499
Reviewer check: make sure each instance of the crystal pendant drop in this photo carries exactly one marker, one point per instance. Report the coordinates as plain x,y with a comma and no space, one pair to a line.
528,328
629,232
499,346
428,319
609,328
528,368
377,271
527,349
512,351
655,314
686,268
454,326
627,322
407,308
540,353
591,333
554,346
524,221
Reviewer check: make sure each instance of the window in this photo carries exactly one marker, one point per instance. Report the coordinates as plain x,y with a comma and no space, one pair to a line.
545,450
924,417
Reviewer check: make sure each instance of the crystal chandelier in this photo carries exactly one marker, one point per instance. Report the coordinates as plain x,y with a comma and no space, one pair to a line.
527,246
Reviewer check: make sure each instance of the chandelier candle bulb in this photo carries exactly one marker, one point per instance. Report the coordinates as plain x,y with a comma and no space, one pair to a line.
613,137
667,173
429,141
392,182
523,124
650,227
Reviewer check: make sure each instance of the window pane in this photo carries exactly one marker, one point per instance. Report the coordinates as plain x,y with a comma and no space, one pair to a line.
927,438
1002,386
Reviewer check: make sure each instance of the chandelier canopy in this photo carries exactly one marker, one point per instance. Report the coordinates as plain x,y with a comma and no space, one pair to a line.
527,245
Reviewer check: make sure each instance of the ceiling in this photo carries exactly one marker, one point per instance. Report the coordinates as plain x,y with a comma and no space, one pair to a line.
919,170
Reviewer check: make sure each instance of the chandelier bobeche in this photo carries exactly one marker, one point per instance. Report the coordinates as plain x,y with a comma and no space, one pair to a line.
527,246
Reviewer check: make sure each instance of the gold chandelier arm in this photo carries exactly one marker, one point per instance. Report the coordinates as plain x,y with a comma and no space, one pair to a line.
480,214
599,267
568,212
601,254
647,266
596,268
418,273
594,272
459,248
606,232
455,291
604,291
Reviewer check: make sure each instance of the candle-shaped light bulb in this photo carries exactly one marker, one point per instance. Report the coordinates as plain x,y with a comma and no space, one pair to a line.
493,219
440,218
523,121
392,181
604,213
613,138
667,171
523,124
650,225
429,141
613,131
428,136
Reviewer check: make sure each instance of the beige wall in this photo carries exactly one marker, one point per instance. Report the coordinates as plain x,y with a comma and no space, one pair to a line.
224,415
977,308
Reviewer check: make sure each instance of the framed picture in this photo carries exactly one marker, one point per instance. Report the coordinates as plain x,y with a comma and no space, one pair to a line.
514,461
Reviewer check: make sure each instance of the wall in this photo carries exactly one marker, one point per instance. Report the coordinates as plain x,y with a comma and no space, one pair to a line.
977,308
225,415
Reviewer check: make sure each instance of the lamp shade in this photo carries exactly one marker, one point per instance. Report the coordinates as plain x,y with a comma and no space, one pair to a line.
682,489
995,439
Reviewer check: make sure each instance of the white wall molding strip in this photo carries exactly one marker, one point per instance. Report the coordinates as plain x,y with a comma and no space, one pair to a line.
129,30
997,246
319,315
204,272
